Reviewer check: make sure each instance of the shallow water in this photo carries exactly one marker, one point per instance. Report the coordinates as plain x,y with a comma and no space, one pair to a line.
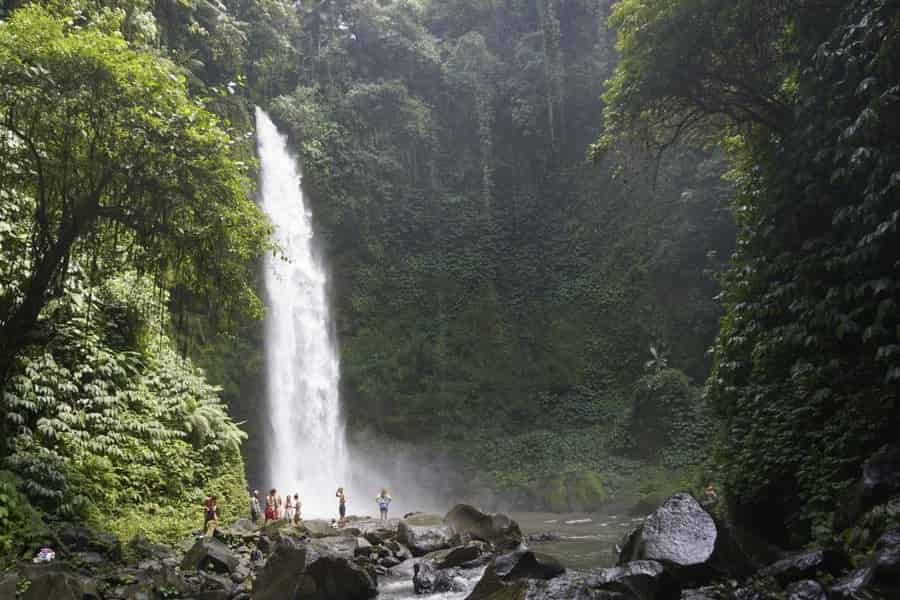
586,542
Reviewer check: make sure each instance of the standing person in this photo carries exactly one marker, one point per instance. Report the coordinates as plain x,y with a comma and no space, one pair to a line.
342,505
288,508
279,509
297,505
255,509
270,506
384,501
210,516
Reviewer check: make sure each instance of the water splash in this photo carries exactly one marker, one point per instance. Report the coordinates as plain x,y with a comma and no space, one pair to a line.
307,451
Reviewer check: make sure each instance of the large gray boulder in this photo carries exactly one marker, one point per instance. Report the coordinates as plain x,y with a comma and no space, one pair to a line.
640,580
319,569
497,529
689,543
510,574
209,554
426,533
679,533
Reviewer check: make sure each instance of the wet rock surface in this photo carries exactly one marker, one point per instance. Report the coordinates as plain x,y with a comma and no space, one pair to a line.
426,533
806,590
210,554
679,533
497,529
807,565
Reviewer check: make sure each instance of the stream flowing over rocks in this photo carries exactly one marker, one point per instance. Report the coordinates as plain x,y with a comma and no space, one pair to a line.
679,552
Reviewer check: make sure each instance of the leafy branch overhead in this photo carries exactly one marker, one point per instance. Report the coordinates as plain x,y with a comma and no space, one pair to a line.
112,148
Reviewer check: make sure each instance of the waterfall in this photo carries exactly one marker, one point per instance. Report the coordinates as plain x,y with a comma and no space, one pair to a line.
307,450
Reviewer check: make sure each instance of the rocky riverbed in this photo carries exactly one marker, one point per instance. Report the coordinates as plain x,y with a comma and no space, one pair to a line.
680,551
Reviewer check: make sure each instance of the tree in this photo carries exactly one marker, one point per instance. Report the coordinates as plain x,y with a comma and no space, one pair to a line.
122,165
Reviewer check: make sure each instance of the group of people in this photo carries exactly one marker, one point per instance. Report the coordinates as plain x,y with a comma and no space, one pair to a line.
276,508
289,508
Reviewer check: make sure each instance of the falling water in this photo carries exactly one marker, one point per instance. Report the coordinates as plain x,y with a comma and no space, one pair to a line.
306,450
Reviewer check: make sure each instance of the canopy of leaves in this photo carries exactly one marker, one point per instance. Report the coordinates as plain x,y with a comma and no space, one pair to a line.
121,163
806,364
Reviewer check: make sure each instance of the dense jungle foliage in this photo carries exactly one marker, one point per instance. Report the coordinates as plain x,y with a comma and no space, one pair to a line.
805,95
117,186
497,296
541,319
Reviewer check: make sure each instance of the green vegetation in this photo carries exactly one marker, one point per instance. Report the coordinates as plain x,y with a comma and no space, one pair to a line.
541,319
496,295
117,186
806,364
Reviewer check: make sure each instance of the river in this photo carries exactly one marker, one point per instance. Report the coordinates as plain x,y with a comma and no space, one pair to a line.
584,542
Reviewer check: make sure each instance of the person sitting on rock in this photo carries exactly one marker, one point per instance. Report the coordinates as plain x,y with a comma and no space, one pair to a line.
297,505
255,509
342,505
210,516
384,501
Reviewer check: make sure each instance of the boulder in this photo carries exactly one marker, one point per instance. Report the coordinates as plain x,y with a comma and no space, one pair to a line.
880,479
638,580
209,554
428,579
337,578
455,557
426,533
378,531
807,565
507,572
57,583
805,590
281,578
82,539
525,564
879,577
302,569
678,533
143,549
689,543
497,529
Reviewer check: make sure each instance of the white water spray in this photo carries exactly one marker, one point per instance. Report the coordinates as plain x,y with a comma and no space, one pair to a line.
307,450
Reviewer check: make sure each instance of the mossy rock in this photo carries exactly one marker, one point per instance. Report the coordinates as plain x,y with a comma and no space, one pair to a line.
580,491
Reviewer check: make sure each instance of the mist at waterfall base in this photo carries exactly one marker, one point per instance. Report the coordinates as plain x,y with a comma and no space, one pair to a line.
306,447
